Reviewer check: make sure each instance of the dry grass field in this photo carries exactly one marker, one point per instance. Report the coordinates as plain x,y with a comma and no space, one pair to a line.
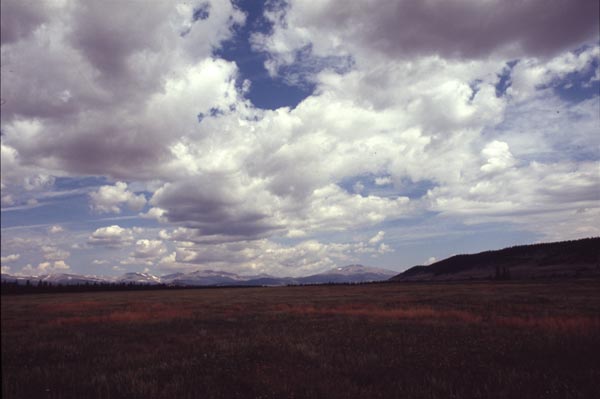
415,340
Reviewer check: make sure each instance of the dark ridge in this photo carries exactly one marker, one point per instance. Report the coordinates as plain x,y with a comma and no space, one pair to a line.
529,261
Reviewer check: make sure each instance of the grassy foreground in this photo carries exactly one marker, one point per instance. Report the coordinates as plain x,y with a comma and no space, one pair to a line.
459,340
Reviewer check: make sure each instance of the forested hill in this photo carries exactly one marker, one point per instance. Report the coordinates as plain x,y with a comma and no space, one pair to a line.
557,259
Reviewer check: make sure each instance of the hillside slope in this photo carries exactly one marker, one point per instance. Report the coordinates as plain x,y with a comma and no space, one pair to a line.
557,259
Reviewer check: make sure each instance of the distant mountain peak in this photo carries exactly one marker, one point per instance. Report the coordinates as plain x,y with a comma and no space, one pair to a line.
359,269
353,273
139,278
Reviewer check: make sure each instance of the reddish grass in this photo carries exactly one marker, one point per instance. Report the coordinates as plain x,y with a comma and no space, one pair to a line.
472,340
85,312
561,324
70,307
133,313
415,313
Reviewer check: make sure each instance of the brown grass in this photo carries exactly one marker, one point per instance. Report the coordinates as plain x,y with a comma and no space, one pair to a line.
561,324
133,313
571,325
472,340
70,307
365,310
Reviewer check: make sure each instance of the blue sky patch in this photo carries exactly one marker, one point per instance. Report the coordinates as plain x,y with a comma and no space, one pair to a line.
201,12
504,78
265,92
366,185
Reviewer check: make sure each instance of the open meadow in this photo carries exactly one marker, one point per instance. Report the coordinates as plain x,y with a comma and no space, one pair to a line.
411,340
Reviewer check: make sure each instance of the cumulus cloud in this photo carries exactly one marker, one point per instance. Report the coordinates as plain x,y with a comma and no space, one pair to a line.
19,181
498,156
216,204
58,266
20,18
53,253
108,199
383,181
266,256
527,195
149,249
531,74
440,94
55,229
407,28
377,237
111,237
104,78
10,258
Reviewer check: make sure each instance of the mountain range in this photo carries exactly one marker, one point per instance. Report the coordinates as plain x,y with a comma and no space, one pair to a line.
547,260
346,274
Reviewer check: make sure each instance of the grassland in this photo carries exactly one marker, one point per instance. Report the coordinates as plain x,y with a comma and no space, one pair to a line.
422,340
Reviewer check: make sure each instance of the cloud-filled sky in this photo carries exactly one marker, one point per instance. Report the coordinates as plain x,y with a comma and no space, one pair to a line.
293,136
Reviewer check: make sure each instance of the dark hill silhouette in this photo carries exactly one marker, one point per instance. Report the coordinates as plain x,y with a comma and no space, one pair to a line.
557,259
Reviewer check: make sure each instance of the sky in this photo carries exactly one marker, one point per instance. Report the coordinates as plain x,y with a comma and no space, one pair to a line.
290,137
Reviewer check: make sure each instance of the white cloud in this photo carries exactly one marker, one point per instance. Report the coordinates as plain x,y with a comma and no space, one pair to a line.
53,253
58,266
383,249
358,187
149,249
399,97
111,236
154,213
108,199
55,229
377,237
406,30
383,181
10,258
309,256
131,86
532,196
531,74
8,200
430,260
19,181
498,157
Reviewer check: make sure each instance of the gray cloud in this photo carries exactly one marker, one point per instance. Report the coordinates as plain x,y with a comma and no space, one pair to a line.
467,28
216,204
103,88
450,28
19,18
136,95
111,42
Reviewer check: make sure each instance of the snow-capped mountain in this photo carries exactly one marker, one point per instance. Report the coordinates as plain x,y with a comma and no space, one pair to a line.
204,277
68,279
139,278
56,278
201,277
9,278
346,274
349,274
